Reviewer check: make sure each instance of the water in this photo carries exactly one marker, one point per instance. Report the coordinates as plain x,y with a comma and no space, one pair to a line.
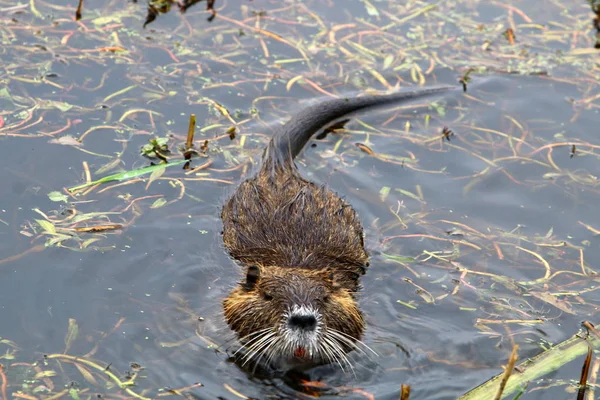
150,293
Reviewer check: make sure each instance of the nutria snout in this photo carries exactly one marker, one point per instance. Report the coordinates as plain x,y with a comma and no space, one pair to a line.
286,317
302,249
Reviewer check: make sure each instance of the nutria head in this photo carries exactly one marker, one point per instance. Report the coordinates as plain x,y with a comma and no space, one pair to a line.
286,316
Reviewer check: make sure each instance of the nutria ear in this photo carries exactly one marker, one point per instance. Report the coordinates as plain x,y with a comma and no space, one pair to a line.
252,277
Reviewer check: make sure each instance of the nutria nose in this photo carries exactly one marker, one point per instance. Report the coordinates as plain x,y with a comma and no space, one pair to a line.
303,322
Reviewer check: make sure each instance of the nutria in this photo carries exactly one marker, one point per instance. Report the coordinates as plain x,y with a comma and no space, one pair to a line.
302,249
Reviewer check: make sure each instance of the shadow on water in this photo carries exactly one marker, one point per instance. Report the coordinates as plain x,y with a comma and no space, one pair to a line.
475,239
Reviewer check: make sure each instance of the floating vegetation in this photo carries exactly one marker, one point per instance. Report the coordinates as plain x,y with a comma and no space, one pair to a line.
89,83
123,176
157,148
43,378
547,362
156,7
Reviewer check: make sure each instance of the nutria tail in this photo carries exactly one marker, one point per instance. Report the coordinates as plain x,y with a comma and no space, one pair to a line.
290,138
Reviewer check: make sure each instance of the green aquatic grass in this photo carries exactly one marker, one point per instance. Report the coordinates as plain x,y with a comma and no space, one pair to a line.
548,361
122,176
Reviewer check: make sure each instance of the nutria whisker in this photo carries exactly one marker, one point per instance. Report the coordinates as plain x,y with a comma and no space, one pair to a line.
259,346
263,351
325,353
352,342
245,340
249,339
345,341
331,354
335,359
302,250
271,351
252,347
341,356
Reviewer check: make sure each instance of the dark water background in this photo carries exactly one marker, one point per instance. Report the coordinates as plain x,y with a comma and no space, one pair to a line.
169,261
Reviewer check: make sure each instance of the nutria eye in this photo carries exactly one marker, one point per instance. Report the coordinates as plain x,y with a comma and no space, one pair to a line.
326,299
267,297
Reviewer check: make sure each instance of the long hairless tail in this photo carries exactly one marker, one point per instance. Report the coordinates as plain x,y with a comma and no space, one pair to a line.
290,138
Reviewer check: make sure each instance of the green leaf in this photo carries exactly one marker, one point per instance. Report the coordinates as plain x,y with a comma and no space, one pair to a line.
155,175
161,141
61,105
407,304
74,393
72,333
45,374
401,259
159,203
47,226
408,194
127,175
34,10
384,192
87,242
108,166
109,19
371,10
58,196
57,239
552,175
387,61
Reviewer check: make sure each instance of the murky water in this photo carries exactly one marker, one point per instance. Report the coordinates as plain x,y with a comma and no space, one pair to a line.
150,292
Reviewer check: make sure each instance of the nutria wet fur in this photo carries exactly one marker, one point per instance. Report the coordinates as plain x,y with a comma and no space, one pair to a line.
302,250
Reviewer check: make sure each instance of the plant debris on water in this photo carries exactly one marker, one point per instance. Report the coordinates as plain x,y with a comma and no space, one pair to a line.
100,80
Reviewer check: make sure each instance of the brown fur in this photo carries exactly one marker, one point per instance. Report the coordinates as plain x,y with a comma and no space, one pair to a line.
248,311
285,220
302,248
305,239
